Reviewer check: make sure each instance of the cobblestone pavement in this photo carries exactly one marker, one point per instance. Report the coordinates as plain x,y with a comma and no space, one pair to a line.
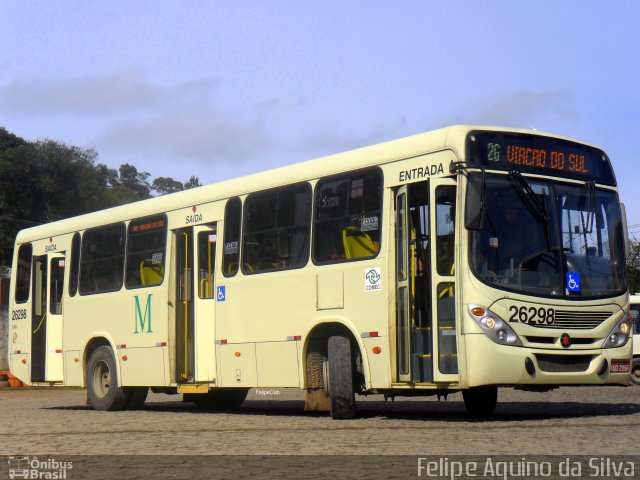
568,421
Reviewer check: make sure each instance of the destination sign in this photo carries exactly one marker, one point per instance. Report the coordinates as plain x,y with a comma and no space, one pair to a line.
539,154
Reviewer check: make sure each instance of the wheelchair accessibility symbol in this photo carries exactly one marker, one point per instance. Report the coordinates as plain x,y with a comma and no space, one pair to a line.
573,282
221,295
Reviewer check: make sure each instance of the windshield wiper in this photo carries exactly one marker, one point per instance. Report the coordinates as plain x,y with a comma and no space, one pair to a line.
531,201
590,187
529,197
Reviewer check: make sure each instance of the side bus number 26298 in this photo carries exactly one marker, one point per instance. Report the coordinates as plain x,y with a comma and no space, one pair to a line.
532,315
19,314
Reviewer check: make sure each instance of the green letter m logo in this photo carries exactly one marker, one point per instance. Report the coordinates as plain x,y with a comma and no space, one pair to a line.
143,320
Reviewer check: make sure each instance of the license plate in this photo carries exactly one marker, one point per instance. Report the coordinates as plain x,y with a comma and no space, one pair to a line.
619,366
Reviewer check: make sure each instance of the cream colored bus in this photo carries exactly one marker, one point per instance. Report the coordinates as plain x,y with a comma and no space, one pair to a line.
463,259
635,314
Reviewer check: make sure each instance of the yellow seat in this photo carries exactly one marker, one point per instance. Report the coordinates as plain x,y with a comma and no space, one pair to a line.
151,274
358,244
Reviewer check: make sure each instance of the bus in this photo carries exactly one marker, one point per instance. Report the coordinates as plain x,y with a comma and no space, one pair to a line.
635,314
458,260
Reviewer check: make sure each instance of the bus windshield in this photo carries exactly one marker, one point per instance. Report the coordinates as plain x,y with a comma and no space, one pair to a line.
546,238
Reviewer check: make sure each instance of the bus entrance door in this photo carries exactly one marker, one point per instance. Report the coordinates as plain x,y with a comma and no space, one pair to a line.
442,191
53,364
426,342
413,316
39,319
195,345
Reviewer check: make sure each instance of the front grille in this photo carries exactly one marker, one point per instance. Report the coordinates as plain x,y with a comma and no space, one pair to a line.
532,339
570,319
563,363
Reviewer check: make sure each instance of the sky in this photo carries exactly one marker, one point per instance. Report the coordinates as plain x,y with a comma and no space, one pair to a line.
220,89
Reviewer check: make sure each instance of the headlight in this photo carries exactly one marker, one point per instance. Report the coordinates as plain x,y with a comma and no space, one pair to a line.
493,326
619,336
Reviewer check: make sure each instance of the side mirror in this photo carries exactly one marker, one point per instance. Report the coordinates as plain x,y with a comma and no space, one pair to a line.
474,207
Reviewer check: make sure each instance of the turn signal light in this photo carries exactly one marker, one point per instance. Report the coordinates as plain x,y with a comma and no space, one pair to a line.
478,311
376,350
237,354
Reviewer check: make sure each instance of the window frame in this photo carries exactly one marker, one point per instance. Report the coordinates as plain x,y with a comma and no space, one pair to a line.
165,229
74,264
306,188
239,220
346,175
23,299
122,225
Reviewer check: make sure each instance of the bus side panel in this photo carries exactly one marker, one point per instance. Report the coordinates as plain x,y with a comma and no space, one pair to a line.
73,368
134,319
270,356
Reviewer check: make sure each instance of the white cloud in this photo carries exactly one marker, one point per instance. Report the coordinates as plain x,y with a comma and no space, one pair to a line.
523,109
123,91
201,133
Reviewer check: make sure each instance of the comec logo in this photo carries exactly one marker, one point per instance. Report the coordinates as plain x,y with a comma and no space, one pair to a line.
372,279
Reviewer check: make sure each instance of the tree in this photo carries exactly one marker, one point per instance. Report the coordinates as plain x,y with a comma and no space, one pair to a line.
46,181
193,182
633,268
164,185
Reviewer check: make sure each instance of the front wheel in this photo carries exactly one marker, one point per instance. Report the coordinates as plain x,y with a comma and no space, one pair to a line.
635,371
480,401
102,382
340,381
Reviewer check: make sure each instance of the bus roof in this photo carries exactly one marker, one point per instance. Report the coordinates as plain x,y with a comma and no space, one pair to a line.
452,138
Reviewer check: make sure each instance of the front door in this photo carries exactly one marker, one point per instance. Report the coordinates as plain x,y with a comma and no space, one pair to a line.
53,364
443,305
426,342
195,312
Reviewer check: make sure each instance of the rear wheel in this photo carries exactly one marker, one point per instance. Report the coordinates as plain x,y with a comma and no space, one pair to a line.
635,371
138,395
340,378
480,401
102,382
223,399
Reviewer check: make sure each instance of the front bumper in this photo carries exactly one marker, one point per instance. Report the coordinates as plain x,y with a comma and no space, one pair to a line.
490,364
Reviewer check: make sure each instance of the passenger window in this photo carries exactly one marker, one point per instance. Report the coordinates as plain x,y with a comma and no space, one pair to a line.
147,239
445,229
276,229
231,254
75,264
102,260
23,275
348,217
56,288
206,263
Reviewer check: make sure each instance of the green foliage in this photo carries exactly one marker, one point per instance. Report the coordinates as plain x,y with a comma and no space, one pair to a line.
633,268
193,182
164,185
45,181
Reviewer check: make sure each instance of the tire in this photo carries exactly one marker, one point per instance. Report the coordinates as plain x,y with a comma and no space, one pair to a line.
635,371
315,370
480,401
102,382
223,399
340,381
138,395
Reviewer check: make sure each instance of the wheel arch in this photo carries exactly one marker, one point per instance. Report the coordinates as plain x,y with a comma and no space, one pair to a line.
99,340
317,339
